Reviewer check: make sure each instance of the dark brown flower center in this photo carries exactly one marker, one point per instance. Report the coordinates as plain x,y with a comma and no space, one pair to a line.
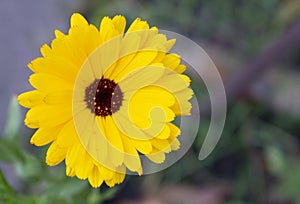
103,97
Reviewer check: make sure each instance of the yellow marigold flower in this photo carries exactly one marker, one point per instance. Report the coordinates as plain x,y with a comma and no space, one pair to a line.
105,97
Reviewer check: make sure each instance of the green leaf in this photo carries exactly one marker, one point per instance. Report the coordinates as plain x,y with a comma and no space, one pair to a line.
10,151
276,160
29,170
289,186
13,119
4,186
108,194
94,197
65,189
7,194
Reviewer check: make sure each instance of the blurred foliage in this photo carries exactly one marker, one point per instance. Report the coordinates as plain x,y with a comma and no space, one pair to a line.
257,158
243,25
39,183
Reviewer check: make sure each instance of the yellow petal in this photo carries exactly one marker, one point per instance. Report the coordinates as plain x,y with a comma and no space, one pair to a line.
125,126
182,106
175,131
47,116
56,98
171,61
138,25
115,151
78,39
46,135
128,49
91,135
105,57
95,177
78,20
153,95
67,136
106,173
130,44
107,29
31,98
175,144
162,145
119,23
45,50
118,177
149,105
169,44
144,114
59,34
36,64
49,83
173,82
155,41
70,171
140,78
73,154
159,57
140,60
165,133
143,146
55,154
61,68
156,156
180,68
131,157
84,165
94,140
92,39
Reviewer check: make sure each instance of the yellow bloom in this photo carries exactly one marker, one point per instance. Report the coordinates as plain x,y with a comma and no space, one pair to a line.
103,98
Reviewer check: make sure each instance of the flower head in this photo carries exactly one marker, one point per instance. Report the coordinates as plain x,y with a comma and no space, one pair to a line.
104,98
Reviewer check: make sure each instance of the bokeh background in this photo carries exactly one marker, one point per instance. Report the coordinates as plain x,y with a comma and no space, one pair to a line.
256,48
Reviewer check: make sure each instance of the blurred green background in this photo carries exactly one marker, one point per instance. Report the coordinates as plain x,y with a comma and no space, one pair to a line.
257,159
